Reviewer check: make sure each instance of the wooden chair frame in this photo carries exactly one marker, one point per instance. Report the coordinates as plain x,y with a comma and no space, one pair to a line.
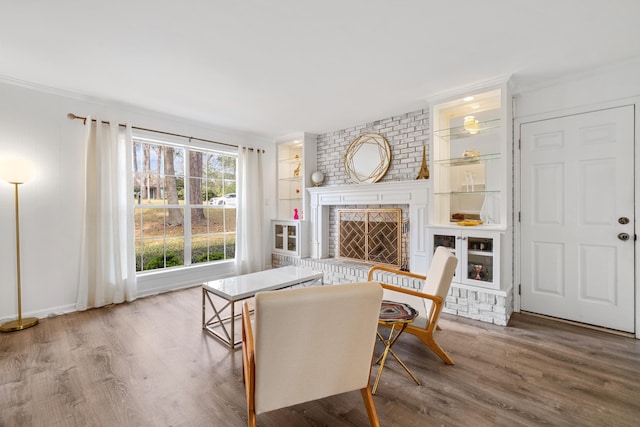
424,334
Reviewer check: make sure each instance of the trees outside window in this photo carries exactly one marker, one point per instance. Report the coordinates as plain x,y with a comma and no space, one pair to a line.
183,214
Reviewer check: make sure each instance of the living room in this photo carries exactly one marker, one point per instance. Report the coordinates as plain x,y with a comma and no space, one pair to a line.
556,63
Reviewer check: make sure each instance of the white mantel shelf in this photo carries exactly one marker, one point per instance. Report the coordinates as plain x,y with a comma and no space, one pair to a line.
413,193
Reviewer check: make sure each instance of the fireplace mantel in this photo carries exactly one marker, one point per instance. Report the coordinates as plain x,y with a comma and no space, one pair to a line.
412,193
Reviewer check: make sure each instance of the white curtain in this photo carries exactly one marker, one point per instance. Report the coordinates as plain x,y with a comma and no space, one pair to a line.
107,265
249,245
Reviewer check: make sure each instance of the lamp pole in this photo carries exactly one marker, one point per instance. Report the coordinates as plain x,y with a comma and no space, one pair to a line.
20,323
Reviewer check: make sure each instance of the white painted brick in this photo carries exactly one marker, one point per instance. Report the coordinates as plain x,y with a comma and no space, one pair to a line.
498,309
500,321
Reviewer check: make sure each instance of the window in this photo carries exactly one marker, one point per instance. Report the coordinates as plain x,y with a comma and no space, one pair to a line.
185,205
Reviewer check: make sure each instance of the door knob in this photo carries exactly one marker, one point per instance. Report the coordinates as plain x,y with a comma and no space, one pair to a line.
623,236
623,220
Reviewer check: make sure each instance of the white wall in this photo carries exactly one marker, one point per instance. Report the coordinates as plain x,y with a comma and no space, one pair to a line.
616,82
34,125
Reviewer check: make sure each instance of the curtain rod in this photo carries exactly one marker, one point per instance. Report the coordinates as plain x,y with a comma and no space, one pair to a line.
72,116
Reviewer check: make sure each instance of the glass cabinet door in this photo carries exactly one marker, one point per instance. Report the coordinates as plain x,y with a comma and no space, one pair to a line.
446,240
480,259
279,236
292,239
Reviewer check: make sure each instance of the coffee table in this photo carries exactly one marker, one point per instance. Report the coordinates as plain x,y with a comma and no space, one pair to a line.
238,288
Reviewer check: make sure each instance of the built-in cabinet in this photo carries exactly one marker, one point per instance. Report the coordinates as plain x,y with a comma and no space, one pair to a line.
478,253
289,236
472,196
296,162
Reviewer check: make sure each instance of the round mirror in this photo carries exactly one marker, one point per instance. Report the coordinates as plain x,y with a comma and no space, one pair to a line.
367,158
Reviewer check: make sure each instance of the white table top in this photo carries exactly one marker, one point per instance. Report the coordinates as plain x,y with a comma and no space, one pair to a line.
245,286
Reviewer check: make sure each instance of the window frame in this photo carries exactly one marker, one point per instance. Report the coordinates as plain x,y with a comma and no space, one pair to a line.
188,268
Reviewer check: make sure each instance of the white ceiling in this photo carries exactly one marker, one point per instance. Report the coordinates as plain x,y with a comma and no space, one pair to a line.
281,66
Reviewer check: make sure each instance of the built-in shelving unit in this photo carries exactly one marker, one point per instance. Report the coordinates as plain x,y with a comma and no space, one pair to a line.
468,159
471,176
296,162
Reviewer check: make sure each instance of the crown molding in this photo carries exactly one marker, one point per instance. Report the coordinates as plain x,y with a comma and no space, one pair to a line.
477,86
522,88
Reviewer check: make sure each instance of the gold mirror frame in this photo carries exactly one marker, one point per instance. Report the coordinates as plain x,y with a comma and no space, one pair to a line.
367,158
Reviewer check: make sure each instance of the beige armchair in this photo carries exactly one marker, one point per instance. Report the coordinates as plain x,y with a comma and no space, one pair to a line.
309,343
428,301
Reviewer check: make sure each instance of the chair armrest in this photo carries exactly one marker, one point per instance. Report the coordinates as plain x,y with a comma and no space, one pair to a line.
411,292
398,288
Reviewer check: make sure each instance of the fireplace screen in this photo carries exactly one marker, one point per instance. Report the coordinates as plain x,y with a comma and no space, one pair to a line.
371,235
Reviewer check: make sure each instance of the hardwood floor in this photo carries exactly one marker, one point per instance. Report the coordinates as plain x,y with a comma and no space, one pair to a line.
148,363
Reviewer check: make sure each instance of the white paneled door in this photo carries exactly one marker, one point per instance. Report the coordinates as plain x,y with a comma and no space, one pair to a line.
577,218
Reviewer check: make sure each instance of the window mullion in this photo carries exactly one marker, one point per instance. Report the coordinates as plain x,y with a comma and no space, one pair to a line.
187,207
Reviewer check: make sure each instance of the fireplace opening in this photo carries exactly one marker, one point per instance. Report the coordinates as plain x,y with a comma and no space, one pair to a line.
371,236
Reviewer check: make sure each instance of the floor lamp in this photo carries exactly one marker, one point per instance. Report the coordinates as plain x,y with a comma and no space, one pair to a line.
16,172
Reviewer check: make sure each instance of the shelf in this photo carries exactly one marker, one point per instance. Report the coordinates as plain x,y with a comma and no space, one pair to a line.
291,198
292,179
484,127
464,161
291,160
480,253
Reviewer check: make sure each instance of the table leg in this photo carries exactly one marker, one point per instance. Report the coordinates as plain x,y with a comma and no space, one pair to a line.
203,308
383,357
389,342
217,319
232,341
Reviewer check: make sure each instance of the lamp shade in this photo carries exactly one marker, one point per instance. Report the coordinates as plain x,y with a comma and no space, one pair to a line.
16,170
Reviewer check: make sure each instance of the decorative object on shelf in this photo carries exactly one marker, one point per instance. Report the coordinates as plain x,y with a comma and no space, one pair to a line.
367,158
478,272
16,172
469,222
297,191
470,153
317,178
295,214
471,125
469,181
468,156
296,171
424,169
457,216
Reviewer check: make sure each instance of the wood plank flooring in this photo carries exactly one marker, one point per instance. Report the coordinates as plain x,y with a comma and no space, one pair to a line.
148,363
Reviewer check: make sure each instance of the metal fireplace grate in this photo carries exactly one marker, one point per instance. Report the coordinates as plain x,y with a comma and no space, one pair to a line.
371,235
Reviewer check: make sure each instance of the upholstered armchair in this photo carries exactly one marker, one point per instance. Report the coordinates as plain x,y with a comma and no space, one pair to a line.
309,343
428,301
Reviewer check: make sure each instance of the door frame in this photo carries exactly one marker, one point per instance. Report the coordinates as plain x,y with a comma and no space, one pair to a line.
517,201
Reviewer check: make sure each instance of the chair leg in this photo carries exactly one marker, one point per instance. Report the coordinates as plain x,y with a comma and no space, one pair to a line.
252,419
435,347
371,409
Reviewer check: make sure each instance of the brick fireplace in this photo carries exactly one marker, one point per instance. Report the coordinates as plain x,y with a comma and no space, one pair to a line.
411,194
